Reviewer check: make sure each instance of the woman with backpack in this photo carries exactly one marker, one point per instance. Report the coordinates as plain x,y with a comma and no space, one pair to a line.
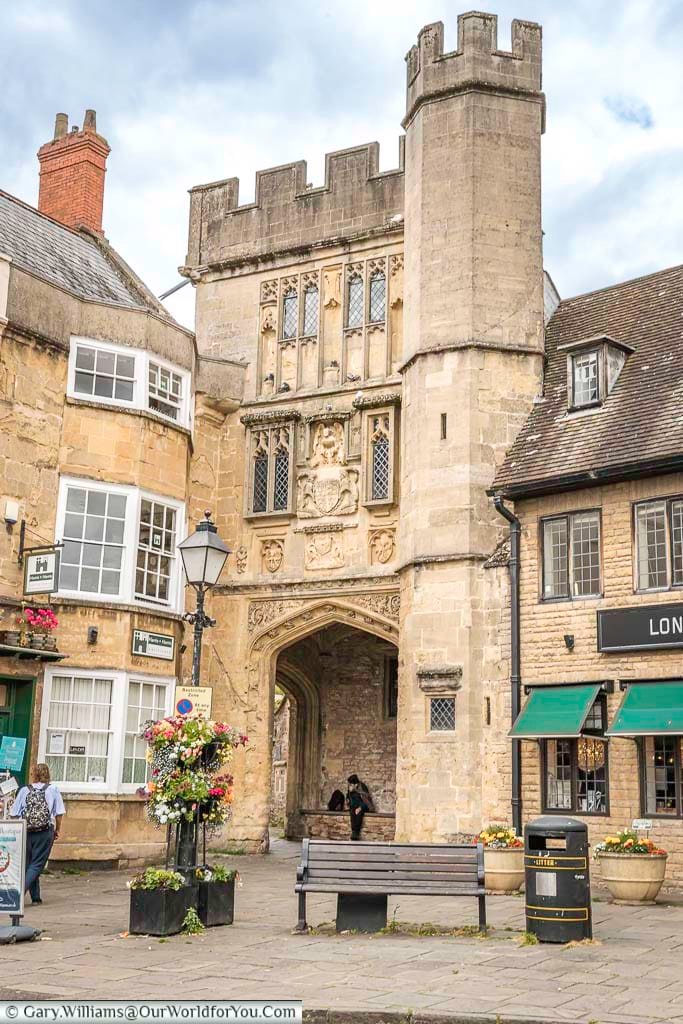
41,806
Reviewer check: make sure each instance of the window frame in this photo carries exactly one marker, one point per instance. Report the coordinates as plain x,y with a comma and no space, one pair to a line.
568,518
598,352
443,733
367,464
598,734
642,773
253,432
140,401
118,714
668,501
131,532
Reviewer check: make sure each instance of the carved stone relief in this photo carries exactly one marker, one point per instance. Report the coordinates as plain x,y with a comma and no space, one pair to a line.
332,288
382,544
323,551
272,553
269,291
328,444
396,273
262,613
326,492
241,559
268,319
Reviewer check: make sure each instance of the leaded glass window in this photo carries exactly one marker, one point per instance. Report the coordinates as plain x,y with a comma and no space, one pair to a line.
442,714
290,315
354,301
156,550
378,297
651,545
571,555
311,304
271,470
281,481
380,458
260,502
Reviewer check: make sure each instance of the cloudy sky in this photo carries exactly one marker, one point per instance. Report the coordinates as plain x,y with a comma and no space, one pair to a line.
190,91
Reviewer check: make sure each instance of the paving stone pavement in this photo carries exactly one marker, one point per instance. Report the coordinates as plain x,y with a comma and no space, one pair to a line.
632,975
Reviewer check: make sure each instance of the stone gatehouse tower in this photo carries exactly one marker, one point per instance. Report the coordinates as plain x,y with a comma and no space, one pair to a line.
388,329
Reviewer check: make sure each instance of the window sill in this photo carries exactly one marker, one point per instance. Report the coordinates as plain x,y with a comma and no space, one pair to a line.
118,606
148,414
277,516
570,600
97,794
659,590
379,503
582,814
588,407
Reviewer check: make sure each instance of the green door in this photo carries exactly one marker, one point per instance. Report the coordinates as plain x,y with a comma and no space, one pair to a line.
16,712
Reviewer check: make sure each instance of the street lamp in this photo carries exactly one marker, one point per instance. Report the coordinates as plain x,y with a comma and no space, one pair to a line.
204,554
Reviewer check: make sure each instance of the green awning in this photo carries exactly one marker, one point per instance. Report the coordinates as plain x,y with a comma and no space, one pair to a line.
555,712
650,709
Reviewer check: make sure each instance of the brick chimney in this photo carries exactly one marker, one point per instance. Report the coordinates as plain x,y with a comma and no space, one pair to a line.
72,169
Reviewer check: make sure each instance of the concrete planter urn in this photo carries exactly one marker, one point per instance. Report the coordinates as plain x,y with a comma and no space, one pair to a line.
633,878
504,868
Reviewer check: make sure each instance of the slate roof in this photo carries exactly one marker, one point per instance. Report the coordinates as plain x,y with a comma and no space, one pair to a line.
70,259
639,427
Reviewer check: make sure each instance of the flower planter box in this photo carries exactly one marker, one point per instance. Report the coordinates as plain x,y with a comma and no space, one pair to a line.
160,911
216,903
504,869
11,637
633,878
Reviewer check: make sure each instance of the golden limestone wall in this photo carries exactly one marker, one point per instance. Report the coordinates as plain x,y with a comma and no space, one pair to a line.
546,659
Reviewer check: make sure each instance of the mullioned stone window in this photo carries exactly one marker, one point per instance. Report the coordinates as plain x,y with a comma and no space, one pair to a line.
270,468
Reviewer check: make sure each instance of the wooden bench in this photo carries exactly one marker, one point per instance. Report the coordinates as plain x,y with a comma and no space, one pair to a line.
364,874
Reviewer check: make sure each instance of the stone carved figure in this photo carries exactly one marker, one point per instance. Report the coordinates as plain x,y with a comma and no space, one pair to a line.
328,444
268,320
305,497
332,285
323,551
382,545
241,559
272,552
348,492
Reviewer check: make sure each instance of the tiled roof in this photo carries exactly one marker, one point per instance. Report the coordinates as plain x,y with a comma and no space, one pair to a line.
63,257
640,423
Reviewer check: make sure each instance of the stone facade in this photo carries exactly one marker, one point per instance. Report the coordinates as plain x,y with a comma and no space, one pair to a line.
391,327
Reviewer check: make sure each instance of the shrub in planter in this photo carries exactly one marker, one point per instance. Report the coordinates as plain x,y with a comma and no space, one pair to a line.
503,858
216,900
159,901
632,867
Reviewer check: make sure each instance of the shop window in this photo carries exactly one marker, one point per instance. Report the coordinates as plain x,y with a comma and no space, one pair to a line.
100,526
585,379
271,470
659,544
442,714
378,297
576,770
311,305
90,725
661,771
571,555
115,375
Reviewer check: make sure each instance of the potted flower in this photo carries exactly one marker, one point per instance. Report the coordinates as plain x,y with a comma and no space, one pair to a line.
216,901
503,859
41,621
633,867
159,901
13,636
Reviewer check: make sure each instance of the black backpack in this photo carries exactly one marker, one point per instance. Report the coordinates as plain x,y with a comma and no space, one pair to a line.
36,812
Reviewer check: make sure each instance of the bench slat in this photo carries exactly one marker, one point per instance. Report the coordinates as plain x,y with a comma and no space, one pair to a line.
420,878
465,867
388,856
391,888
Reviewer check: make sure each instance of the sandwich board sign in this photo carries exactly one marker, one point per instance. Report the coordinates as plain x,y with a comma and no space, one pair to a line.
41,572
193,700
12,865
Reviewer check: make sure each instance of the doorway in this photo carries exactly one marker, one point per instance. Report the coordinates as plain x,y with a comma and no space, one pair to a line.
16,715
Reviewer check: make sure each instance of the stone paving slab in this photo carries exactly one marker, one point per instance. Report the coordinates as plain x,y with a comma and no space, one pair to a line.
632,975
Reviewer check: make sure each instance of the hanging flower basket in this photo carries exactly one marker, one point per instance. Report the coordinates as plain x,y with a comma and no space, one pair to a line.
633,868
503,859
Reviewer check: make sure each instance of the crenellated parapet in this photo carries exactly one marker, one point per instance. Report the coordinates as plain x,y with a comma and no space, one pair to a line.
476,64
290,215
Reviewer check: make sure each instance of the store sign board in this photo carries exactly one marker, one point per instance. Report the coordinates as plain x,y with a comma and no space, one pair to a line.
12,866
12,752
153,645
41,572
657,626
193,700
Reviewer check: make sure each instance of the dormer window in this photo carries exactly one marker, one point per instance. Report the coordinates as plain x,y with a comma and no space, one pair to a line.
593,368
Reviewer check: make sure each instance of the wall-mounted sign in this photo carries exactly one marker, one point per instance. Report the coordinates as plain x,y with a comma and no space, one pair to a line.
153,645
193,700
12,866
641,825
638,629
12,750
41,572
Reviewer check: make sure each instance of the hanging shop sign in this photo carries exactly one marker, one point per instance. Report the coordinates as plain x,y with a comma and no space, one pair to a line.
153,645
41,572
12,750
654,626
12,866
193,700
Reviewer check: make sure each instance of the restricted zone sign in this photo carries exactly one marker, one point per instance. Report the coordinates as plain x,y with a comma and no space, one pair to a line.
193,700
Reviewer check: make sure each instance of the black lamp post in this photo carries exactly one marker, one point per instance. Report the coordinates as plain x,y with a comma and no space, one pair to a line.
204,554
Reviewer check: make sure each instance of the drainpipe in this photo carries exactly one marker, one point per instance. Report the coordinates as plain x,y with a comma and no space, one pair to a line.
515,660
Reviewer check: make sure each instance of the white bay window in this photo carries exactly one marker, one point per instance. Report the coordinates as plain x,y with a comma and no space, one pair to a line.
119,544
128,378
90,726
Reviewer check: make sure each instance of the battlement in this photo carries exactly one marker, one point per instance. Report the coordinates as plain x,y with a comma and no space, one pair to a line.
477,62
288,214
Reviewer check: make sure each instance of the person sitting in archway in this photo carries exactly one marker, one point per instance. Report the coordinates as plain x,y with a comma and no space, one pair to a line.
359,801
337,801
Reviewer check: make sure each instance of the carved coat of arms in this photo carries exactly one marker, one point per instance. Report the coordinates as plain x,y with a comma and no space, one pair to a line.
328,487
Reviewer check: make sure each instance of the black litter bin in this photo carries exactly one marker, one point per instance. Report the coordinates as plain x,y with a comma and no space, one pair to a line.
557,881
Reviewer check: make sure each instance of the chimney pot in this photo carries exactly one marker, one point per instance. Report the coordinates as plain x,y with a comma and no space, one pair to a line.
90,121
61,126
